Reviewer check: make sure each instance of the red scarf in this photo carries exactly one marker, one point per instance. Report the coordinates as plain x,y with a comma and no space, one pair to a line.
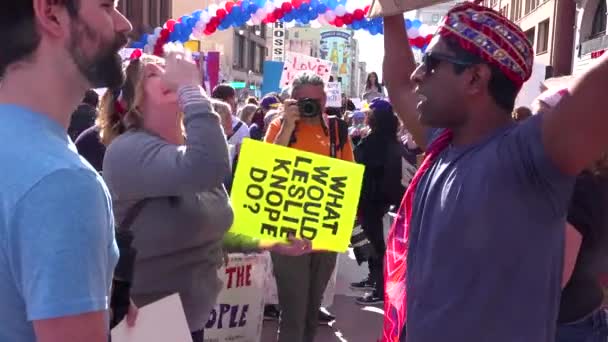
395,263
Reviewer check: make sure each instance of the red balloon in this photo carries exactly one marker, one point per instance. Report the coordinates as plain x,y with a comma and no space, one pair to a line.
211,28
419,42
428,39
214,21
286,7
278,13
339,22
229,6
221,13
239,3
170,24
164,34
296,3
366,9
358,14
271,18
348,18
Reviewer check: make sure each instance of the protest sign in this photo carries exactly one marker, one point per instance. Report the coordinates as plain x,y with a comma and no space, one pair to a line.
334,94
296,63
239,312
280,191
161,321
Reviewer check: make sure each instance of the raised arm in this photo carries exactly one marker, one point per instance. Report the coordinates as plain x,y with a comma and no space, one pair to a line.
398,66
574,134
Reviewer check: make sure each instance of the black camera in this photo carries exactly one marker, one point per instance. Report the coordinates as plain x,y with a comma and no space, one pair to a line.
309,108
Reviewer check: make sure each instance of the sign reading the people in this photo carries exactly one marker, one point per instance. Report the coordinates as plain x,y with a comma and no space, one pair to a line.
279,191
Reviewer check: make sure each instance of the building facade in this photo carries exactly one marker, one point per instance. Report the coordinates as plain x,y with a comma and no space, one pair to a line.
590,39
145,15
548,25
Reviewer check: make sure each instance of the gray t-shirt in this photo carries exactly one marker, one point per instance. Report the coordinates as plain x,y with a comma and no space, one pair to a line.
487,242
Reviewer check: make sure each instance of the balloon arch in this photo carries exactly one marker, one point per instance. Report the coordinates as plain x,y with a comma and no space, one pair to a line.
338,13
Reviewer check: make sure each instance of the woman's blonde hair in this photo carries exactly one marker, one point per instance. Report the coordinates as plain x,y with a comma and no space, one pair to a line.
223,109
120,107
246,113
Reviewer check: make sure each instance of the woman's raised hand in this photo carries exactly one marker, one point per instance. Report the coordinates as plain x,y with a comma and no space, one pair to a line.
180,68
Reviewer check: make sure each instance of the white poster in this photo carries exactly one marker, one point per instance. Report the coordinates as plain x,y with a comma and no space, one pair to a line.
161,321
296,63
238,314
271,296
334,94
278,42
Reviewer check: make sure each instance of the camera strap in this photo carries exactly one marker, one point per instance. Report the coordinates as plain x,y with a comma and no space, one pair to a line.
333,146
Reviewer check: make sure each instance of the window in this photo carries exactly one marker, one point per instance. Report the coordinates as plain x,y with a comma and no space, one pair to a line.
252,53
530,35
599,20
528,6
436,18
238,58
542,43
262,58
516,10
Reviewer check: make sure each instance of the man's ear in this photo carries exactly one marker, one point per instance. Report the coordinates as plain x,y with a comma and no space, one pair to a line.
51,17
480,75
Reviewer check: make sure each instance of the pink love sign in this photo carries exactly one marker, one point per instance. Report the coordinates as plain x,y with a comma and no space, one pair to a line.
296,63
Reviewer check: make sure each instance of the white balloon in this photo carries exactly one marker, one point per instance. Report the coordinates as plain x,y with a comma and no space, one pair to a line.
157,31
256,20
330,16
413,33
223,4
351,6
205,17
260,14
213,9
149,49
268,7
151,39
340,10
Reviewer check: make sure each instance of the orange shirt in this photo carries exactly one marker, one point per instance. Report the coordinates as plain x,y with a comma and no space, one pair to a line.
310,138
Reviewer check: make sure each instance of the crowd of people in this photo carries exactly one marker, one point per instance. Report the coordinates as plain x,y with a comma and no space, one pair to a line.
110,204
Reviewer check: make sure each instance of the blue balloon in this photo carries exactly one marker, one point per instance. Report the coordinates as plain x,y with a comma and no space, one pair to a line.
252,8
321,8
304,8
408,24
332,4
197,14
357,25
374,30
314,3
237,11
288,17
191,22
416,23
260,3
313,16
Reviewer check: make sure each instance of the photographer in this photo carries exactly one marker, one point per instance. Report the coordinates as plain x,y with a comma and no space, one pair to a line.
302,280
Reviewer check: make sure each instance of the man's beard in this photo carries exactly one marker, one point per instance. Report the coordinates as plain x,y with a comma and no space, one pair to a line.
104,69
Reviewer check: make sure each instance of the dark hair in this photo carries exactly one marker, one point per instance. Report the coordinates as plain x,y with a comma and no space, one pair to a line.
252,100
223,92
258,119
91,98
18,30
521,113
368,83
383,123
501,88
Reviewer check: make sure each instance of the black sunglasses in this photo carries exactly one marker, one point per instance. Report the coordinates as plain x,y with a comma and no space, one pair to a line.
431,61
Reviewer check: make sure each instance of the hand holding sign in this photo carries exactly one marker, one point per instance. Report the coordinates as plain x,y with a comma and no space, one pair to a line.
295,247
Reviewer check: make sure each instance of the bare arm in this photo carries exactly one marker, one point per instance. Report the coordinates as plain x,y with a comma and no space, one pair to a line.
574,134
90,327
284,135
398,66
573,246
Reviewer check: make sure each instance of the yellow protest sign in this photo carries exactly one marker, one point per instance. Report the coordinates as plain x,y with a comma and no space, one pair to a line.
278,191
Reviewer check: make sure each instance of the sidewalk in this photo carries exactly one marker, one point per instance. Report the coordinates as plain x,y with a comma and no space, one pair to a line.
354,323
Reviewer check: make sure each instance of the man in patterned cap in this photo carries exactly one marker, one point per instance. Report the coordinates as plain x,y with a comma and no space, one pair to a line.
476,252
